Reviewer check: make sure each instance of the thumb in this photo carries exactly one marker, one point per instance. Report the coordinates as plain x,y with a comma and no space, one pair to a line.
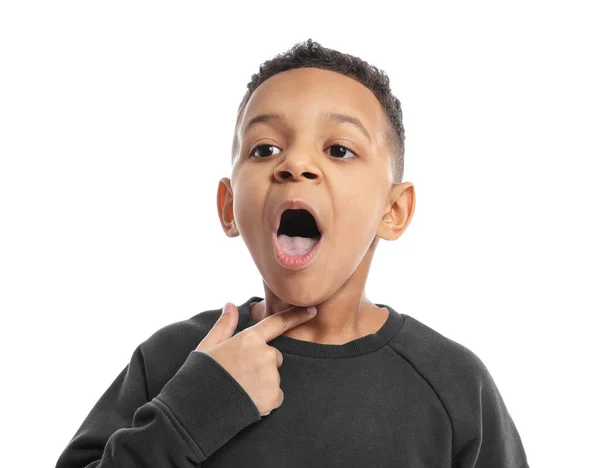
223,328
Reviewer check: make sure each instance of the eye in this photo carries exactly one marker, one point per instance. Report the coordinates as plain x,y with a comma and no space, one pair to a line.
339,153
257,147
343,152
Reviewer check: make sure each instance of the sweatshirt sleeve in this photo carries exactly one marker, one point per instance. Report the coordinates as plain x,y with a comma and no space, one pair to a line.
198,410
493,440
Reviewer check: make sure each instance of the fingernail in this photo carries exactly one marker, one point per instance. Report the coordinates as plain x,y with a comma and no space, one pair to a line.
312,310
224,309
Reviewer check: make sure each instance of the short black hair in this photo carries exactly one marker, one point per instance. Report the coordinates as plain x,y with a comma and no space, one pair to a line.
312,54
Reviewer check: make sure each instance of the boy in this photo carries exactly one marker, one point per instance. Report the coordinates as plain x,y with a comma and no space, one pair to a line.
316,181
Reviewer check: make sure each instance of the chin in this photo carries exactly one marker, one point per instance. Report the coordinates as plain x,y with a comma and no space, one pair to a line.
295,293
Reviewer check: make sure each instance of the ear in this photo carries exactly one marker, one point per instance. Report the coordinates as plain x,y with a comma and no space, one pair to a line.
225,207
399,211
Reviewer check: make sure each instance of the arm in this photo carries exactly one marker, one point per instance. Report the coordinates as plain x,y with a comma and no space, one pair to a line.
494,440
196,412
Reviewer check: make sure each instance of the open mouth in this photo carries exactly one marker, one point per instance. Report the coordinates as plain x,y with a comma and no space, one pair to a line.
297,239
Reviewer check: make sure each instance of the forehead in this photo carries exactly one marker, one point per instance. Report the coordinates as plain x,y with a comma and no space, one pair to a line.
306,93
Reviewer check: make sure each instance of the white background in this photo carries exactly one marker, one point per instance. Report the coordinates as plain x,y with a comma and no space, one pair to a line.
116,121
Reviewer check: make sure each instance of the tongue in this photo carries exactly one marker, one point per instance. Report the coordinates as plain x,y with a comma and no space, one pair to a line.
296,245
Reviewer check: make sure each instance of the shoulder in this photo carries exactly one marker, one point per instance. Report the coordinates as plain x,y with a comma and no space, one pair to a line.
182,333
165,351
432,353
481,424
454,372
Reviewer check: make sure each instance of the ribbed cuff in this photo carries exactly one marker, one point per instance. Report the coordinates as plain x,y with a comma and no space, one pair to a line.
208,402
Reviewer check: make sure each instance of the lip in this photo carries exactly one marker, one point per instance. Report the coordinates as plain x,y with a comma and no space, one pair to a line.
296,205
295,262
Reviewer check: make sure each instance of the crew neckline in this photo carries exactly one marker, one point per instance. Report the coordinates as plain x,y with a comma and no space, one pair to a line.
364,345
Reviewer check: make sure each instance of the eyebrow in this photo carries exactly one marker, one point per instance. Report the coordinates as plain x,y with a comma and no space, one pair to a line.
326,117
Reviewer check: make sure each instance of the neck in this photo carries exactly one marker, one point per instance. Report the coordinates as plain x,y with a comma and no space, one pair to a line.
341,317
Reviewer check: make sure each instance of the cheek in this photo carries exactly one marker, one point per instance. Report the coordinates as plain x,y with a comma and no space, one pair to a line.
359,213
362,194
248,209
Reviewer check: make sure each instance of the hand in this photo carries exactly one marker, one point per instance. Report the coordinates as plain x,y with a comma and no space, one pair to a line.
248,357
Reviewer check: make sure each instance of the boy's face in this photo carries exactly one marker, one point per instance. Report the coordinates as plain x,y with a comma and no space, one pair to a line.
351,191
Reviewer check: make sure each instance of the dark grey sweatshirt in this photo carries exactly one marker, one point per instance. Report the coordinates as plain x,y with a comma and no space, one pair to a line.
405,396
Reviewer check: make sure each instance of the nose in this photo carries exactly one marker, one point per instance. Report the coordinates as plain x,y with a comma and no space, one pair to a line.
296,166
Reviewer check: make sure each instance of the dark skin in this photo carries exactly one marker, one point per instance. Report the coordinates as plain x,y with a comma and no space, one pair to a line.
351,188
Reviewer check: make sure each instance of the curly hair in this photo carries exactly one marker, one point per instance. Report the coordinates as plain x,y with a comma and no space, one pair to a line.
312,54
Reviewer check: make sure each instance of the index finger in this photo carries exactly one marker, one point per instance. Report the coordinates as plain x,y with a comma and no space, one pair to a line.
274,325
